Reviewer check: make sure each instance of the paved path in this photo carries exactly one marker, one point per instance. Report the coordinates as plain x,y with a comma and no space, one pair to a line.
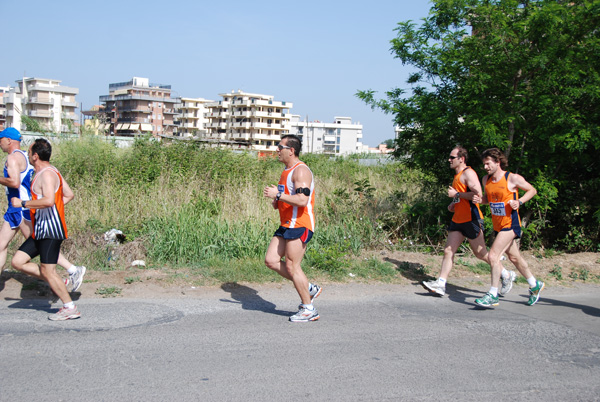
372,343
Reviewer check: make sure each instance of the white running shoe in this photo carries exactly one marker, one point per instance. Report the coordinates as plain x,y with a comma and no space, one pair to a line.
314,292
76,278
305,315
507,283
434,287
65,314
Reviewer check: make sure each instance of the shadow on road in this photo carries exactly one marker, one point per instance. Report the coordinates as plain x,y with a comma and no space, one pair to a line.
250,300
35,293
593,311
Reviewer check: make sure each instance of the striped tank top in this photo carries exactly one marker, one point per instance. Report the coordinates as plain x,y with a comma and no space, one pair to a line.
49,223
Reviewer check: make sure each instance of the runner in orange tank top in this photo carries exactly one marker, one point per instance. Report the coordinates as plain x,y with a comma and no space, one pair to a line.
294,198
501,193
467,220
50,193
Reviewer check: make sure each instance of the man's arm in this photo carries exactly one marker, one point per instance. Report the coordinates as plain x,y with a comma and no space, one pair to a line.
48,183
68,194
472,181
484,199
516,181
12,167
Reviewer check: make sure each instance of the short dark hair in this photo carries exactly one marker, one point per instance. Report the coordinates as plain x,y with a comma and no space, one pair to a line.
496,155
294,142
42,148
462,152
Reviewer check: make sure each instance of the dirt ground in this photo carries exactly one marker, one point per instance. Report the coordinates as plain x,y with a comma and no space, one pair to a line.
564,270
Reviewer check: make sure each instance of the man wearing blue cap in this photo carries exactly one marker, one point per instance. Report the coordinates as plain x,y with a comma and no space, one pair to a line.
17,177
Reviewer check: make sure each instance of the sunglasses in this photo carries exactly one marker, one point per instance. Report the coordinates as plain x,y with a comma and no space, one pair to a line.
452,157
280,147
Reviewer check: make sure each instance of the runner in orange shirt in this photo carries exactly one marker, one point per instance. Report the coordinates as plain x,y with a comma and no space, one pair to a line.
294,197
50,192
501,193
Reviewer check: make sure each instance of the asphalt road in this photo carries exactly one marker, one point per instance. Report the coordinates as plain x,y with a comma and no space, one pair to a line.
372,343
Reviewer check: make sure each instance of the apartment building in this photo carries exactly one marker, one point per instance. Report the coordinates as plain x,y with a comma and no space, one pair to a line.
191,117
40,103
342,137
252,121
138,106
3,90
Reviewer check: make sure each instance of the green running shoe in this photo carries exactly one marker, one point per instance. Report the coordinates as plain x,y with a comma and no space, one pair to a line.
534,292
487,301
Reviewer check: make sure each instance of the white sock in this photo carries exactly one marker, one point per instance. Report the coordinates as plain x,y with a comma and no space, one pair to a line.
442,281
505,274
494,291
72,270
69,305
308,306
532,281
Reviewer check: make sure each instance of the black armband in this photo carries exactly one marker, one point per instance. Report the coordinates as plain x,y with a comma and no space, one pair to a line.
303,190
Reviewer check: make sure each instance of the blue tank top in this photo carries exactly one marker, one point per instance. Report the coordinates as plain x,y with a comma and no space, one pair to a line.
24,190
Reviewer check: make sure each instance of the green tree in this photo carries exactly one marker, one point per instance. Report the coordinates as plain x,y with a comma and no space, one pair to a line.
523,76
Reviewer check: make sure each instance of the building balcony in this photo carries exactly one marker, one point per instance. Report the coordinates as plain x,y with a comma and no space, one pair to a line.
39,113
239,136
39,101
267,137
66,103
221,126
270,126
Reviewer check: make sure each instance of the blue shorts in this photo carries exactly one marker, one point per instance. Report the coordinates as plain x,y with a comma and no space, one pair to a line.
15,218
47,249
469,229
294,233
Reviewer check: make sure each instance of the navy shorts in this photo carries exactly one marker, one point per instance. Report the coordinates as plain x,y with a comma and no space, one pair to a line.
516,229
469,229
15,218
47,249
294,233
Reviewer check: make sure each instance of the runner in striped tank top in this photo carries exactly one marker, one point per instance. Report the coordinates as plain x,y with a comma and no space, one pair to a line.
501,192
294,198
50,192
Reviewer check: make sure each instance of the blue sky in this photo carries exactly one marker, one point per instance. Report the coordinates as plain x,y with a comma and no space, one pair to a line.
315,54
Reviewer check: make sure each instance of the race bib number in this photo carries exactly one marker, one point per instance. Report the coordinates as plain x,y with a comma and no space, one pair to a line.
498,208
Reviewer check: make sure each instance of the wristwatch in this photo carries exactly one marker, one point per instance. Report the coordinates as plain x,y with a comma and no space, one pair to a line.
278,196
23,204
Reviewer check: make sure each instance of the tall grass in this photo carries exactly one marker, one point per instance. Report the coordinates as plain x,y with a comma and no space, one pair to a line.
185,204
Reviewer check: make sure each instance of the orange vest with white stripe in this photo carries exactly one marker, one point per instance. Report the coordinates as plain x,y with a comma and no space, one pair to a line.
291,216
49,223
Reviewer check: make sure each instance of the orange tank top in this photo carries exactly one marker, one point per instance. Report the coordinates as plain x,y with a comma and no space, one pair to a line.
464,210
289,215
49,223
498,196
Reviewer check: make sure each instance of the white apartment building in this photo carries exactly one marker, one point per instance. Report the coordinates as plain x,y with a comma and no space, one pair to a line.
44,101
342,137
191,117
253,121
3,90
